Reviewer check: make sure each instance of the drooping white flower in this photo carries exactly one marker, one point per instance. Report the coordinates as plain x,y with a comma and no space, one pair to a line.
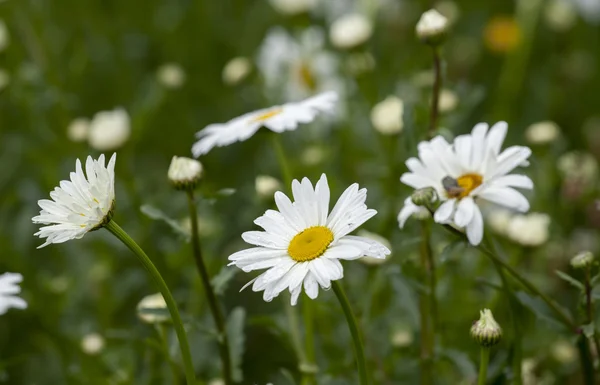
170,75
184,172
387,115
410,209
473,168
285,117
350,31
297,66
78,130
236,70
82,204
303,243
431,25
293,7
542,132
109,130
373,261
9,290
532,229
266,186
152,309
92,344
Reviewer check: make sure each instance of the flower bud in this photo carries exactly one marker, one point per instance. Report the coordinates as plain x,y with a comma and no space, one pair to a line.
266,186
236,70
432,27
486,330
386,116
582,260
170,75
152,309
92,344
184,173
424,196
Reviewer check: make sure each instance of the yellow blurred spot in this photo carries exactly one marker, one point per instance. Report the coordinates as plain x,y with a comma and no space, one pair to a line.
307,77
266,115
502,34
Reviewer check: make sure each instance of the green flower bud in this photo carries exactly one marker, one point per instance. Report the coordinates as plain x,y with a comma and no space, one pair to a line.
582,260
424,196
184,173
486,330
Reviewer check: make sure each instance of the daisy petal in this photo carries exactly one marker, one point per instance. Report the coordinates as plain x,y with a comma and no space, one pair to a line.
475,227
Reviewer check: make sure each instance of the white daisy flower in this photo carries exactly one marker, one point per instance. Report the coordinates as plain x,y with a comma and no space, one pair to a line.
472,168
278,119
79,205
9,288
302,245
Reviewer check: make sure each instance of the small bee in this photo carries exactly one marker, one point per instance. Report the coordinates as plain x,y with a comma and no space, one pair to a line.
452,187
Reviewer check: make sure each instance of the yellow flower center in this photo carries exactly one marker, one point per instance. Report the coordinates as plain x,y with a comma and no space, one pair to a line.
307,77
267,115
310,243
464,185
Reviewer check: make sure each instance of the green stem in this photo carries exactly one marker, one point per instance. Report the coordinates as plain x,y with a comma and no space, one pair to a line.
162,331
208,289
589,306
437,85
426,308
184,346
352,325
286,172
587,362
483,365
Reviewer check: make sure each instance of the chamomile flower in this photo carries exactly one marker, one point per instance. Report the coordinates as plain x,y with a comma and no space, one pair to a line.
281,118
473,168
9,288
79,205
303,243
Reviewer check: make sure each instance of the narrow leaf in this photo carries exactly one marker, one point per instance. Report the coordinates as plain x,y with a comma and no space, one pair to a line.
539,308
237,338
221,280
572,281
157,214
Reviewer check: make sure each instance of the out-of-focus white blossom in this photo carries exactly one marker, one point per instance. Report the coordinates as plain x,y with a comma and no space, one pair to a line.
92,344
529,229
236,70
171,75
266,186
386,116
9,290
4,36
109,130
150,309
564,352
499,219
577,165
448,101
184,172
402,338
78,130
542,132
376,237
293,7
350,31
431,26
560,15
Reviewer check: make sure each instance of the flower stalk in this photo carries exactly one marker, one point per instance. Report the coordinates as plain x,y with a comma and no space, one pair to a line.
483,365
208,289
427,307
184,345
353,326
437,86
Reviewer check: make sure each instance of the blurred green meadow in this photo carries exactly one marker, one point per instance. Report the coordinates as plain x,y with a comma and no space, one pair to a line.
524,62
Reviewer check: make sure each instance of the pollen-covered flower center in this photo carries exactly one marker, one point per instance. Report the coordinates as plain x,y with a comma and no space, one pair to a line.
267,115
310,243
463,185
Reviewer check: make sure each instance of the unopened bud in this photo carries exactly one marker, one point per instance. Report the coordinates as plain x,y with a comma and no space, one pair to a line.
582,260
184,173
424,196
486,330
432,27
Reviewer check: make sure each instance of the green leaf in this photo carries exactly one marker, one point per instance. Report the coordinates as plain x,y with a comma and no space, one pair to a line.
450,248
461,361
157,214
567,278
539,308
221,280
595,279
237,339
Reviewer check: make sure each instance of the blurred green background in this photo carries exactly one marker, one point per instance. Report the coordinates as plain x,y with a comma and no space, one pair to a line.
523,62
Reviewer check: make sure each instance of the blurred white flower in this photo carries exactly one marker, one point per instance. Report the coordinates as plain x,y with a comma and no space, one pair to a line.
471,170
431,25
409,210
386,116
293,7
448,101
236,70
402,338
499,219
4,79
78,130
109,130
79,205
350,31
529,230
564,352
266,186
92,343
171,75
184,172
285,117
368,260
578,166
560,15
9,288
542,132
303,243
296,68
150,309
4,36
